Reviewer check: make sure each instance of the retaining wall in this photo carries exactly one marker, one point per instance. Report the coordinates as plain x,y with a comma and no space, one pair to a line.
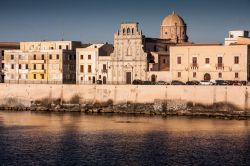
25,94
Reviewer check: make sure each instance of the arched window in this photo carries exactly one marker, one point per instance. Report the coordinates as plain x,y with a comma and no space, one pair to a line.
128,31
123,31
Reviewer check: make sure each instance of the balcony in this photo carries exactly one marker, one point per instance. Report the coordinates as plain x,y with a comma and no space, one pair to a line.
40,71
38,61
194,66
104,70
219,66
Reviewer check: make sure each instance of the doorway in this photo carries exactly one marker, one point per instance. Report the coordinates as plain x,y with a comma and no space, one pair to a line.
128,77
153,78
104,80
207,77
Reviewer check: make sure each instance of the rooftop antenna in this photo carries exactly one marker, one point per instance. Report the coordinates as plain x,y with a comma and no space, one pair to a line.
63,31
62,35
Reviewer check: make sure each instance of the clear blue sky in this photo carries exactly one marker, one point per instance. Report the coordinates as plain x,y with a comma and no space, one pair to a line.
97,20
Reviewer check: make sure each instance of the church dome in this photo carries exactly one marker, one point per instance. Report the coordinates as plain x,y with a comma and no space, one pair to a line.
173,20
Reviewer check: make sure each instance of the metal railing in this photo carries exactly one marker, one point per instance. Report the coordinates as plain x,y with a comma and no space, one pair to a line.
219,66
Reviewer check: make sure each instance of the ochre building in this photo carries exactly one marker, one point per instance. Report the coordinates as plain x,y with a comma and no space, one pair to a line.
41,62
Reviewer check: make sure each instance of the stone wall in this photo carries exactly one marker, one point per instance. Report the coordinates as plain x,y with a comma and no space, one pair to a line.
236,97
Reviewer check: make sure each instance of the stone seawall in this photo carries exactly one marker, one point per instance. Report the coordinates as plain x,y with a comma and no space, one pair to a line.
142,99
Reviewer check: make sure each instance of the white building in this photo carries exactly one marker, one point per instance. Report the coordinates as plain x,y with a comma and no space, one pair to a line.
93,63
234,35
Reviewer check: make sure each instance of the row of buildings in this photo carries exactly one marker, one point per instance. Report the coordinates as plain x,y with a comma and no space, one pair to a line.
132,56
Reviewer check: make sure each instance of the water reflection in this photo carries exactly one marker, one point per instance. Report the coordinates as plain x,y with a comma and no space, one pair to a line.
76,139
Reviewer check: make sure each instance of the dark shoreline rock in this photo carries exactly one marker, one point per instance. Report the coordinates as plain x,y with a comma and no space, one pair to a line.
152,109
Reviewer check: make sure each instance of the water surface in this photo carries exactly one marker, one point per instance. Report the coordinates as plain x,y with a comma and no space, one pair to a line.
77,139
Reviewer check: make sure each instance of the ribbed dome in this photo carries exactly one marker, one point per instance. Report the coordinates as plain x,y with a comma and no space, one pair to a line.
172,20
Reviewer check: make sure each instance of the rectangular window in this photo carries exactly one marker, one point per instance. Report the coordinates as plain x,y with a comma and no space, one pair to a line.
34,76
57,56
236,75
236,60
89,56
179,60
12,57
220,75
60,47
104,67
89,69
81,78
27,66
67,47
12,66
164,61
194,60
179,74
89,78
194,74
42,56
20,66
34,56
34,67
42,76
82,68
220,60
207,60
81,56
50,56
42,66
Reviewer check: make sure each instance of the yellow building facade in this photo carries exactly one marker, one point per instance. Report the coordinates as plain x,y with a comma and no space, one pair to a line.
41,62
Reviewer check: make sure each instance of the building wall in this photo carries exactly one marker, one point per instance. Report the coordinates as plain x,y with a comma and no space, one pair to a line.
103,74
5,46
227,68
41,62
128,61
159,76
99,61
1,67
87,57
207,95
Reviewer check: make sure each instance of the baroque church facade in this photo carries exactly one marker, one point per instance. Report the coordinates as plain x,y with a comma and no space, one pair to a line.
128,61
137,57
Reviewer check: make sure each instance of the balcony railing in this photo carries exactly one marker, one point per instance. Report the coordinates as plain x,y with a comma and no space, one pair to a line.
104,70
194,66
219,66
38,71
37,61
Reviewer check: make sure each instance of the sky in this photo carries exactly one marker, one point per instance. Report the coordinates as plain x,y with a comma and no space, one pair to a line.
96,21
